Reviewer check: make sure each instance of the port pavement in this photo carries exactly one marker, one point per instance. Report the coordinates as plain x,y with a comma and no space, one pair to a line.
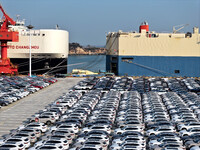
15,114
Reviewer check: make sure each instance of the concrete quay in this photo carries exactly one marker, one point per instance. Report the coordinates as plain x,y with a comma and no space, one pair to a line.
15,114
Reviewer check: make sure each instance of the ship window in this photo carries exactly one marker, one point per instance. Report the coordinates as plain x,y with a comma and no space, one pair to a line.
154,35
176,71
127,58
43,34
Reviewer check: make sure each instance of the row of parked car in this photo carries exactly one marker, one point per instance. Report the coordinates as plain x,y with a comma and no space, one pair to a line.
129,130
15,88
39,132
96,131
141,85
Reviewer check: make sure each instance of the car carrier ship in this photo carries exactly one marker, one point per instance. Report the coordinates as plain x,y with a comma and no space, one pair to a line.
149,53
49,49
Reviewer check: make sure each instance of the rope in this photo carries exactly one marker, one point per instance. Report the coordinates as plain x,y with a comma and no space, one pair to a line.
99,59
90,64
56,70
150,68
27,63
56,65
53,67
113,41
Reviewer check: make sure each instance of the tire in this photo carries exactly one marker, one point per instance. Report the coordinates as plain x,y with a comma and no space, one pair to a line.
183,129
185,135
4,104
152,134
48,123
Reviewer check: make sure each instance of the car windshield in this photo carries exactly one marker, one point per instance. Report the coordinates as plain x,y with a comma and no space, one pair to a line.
7,146
53,141
88,149
11,140
47,147
33,125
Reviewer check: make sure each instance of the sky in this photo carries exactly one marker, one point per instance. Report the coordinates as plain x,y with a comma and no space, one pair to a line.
88,21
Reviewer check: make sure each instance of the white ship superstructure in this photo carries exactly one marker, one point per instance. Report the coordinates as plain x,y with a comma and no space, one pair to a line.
49,48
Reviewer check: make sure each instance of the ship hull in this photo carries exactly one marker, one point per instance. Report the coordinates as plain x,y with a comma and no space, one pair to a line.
153,65
41,65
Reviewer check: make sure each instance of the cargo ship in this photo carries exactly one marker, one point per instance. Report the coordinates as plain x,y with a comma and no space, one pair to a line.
148,53
49,49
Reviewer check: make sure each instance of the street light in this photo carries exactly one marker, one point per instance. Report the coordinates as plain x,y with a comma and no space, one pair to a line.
30,27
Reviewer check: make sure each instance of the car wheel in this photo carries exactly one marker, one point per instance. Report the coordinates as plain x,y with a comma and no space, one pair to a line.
152,134
4,104
183,129
185,135
48,123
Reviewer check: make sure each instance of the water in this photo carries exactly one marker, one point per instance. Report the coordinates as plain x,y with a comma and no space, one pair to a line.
87,62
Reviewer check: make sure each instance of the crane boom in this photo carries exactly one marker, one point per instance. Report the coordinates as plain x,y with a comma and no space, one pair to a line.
7,20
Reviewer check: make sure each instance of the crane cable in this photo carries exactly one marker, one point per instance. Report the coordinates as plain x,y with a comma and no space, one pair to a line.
150,68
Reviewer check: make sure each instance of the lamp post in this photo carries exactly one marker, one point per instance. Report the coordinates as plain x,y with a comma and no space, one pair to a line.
30,27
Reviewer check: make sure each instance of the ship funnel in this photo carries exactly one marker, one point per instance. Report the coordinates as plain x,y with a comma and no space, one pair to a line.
144,26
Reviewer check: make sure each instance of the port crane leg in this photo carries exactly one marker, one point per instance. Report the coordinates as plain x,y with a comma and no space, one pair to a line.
6,67
3,50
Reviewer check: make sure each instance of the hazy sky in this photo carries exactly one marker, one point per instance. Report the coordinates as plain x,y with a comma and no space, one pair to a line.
88,20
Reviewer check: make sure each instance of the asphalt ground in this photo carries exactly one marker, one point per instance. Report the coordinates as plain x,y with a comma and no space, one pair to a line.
15,114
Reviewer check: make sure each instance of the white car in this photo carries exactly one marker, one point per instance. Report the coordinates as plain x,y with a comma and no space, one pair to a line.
97,127
197,147
160,129
80,115
120,140
39,143
132,146
129,128
54,114
19,141
188,125
139,116
190,131
117,146
12,146
65,132
40,126
57,143
164,139
96,146
1,142
70,126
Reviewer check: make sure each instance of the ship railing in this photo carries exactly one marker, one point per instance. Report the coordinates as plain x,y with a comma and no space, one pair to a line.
33,33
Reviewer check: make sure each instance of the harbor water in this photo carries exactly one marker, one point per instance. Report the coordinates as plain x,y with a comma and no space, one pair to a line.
87,62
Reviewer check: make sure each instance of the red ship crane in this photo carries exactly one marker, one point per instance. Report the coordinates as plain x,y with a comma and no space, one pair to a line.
6,35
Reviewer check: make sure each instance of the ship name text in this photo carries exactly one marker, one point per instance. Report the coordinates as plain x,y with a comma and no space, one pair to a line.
22,47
